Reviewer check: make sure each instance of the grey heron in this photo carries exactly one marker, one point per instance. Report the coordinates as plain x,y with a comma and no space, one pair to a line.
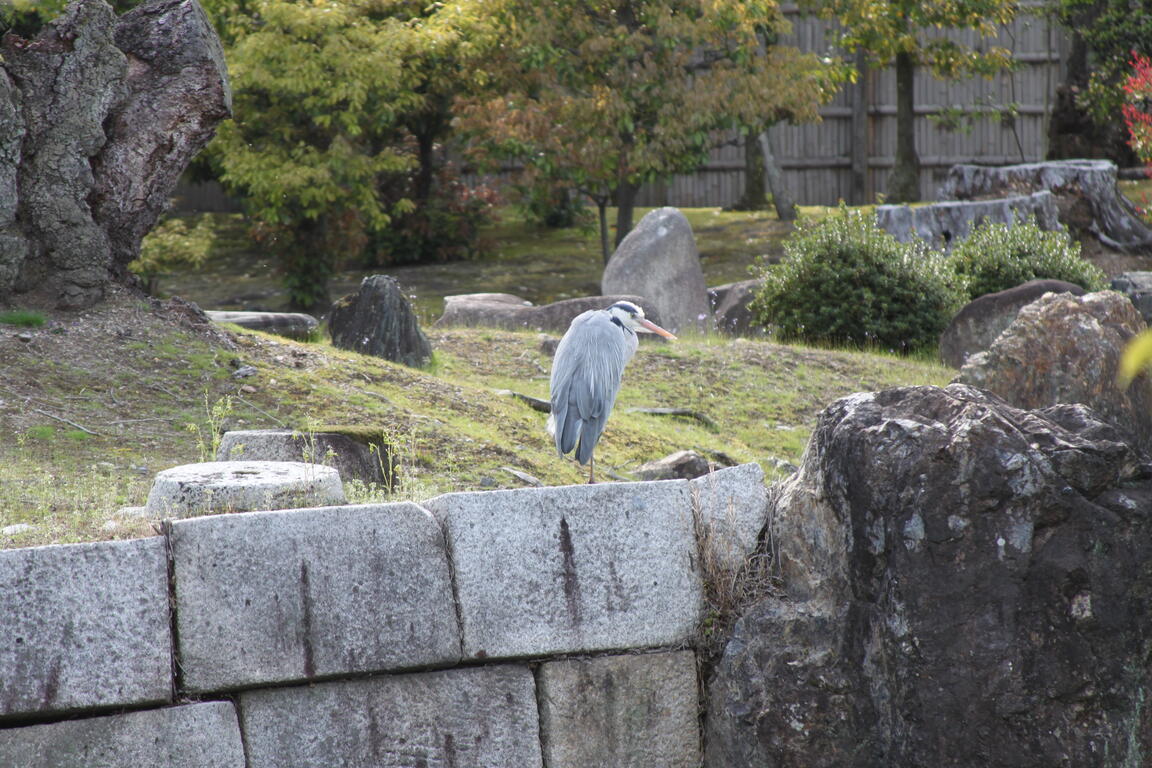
586,373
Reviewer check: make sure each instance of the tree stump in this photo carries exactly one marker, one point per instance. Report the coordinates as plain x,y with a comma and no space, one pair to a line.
99,115
1086,197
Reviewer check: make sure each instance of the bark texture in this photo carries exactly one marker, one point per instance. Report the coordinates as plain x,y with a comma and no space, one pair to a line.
99,115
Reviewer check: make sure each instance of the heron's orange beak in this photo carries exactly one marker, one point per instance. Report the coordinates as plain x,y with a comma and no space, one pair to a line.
647,326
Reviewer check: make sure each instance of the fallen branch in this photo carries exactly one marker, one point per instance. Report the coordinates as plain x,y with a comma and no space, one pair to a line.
700,417
258,409
66,421
536,403
523,476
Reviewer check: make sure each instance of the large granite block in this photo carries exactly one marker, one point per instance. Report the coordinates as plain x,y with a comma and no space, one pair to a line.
266,597
84,626
192,736
732,508
634,711
575,568
479,717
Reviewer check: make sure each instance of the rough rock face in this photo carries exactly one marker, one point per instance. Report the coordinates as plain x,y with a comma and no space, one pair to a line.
378,320
942,224
981,320
98,118
659,261
503,310
964,583
1087,198
731,304
1137,286
1066,349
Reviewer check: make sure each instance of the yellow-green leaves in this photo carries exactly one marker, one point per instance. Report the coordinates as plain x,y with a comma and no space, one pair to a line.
1136,358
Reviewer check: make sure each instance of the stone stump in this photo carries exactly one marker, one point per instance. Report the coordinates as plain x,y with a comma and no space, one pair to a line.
242,486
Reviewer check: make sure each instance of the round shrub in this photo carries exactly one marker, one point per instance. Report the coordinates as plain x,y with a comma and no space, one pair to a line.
995,257
843,281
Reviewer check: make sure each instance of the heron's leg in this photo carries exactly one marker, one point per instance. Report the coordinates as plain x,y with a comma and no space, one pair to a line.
591,469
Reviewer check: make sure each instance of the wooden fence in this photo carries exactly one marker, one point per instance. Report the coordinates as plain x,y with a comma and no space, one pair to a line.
849,154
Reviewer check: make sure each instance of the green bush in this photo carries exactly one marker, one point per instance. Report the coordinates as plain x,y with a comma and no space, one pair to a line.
843,281
995,257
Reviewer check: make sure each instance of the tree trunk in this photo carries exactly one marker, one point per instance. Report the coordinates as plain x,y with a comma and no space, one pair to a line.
755,195
625,208
602,211
782,198
904,183
99,115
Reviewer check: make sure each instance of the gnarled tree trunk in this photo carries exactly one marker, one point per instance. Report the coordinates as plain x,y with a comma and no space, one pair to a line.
99,115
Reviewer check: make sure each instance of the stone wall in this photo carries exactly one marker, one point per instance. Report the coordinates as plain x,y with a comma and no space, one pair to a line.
506,628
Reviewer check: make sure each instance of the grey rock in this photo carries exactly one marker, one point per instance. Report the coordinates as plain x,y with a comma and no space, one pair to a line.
682,465
573,568
732,508
191,736
85,626
480,717
1089,203
731,307
271,597
1137,286
242,486
945,223
378,320
502,310
958,579
372,461
635,711
659,261
981,320
1066,349
292,325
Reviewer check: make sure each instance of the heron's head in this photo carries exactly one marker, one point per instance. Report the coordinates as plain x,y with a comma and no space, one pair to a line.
631,316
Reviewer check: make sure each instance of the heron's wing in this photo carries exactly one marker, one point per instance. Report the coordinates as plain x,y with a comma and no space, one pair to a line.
586,374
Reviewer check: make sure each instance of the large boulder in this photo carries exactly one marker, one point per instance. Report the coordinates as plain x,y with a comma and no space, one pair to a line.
503,310
659,261
962,583
378,320
981,320
99,116
1066,349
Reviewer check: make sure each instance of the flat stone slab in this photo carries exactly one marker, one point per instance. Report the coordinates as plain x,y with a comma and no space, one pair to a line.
242,486
479,717
633,711
573,568
192,736
268,597
292,325
733,508
84,626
